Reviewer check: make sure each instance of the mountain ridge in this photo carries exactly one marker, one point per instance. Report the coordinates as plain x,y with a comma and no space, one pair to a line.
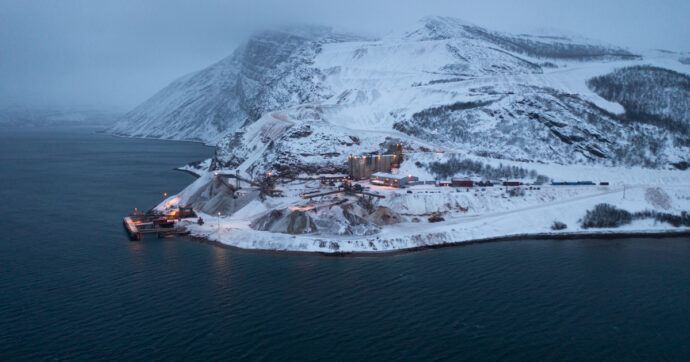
447,84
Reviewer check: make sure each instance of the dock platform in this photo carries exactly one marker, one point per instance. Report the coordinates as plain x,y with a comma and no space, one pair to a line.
137,228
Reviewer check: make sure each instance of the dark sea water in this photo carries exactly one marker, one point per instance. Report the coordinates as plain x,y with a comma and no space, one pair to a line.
73,287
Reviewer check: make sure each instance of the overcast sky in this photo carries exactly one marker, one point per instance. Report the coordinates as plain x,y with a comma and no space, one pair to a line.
117,53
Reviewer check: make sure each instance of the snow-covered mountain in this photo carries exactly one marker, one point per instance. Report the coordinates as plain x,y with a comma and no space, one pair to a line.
303,99
272,70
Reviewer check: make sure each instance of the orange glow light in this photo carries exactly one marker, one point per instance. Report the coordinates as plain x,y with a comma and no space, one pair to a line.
175,200
302,208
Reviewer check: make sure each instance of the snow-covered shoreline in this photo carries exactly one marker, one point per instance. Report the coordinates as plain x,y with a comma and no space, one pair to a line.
517,237
261,242
196,169
449,99
471,216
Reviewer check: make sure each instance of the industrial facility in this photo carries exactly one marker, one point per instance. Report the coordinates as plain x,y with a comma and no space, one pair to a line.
389,179
363,166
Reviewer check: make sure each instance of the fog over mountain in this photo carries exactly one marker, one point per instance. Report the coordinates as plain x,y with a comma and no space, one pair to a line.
115,54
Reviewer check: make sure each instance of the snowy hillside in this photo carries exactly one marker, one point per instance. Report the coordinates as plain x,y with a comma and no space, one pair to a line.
292,106
271,71
300,100
554,46
649,94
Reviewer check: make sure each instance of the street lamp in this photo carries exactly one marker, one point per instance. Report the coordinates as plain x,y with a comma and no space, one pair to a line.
218,223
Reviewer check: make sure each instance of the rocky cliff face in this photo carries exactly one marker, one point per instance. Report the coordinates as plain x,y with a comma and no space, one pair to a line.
543,124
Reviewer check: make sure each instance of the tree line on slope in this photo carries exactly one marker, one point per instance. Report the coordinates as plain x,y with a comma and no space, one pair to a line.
651,95
455,165
609,216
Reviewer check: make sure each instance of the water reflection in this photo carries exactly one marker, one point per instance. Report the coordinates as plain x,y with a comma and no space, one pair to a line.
136,249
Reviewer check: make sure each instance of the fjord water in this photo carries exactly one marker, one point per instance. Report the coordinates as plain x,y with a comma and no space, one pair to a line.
73,287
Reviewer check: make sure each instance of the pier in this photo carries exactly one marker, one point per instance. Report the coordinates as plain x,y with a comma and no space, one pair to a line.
137,224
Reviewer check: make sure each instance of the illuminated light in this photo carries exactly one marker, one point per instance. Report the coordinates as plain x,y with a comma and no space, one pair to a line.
302,208
393,156
218,213
269,174
175,200
165,194
215,174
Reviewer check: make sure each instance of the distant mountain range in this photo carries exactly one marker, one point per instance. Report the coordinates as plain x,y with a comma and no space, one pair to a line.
25,116
301,99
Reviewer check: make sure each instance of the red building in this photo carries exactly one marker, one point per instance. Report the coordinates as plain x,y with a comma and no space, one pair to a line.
461,182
